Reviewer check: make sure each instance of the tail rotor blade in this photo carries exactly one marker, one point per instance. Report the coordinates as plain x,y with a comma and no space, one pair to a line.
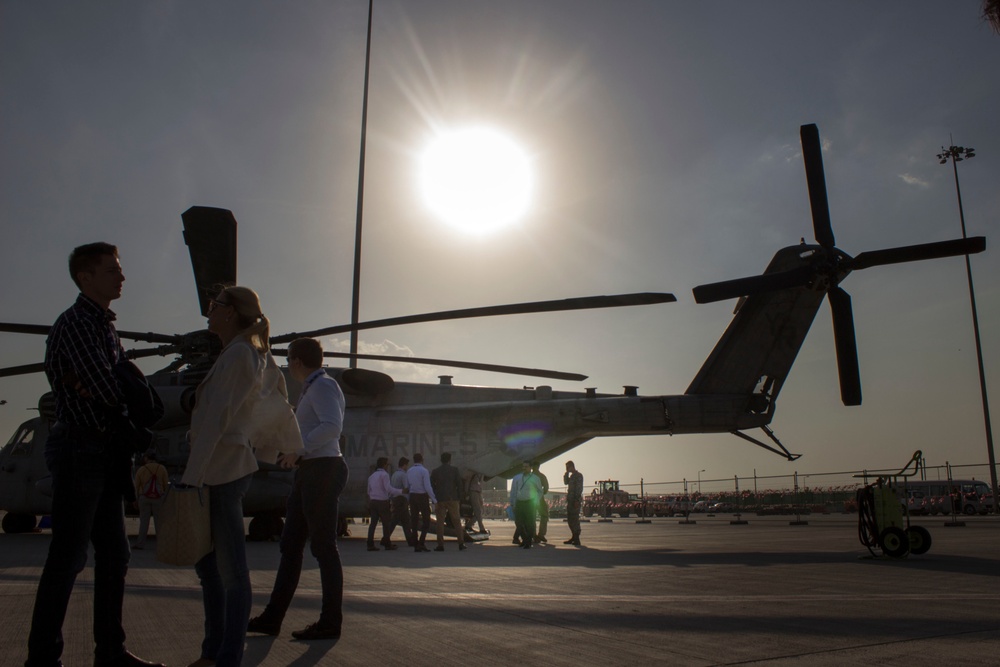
913,253
812,155
847,346
731,289
210,234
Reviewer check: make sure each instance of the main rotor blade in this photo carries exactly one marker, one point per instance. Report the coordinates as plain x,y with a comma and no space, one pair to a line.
152,352
14,327
150,337
43,330
913,253
210,234
580,303
847,346
812,155
22,370
768,282
493,368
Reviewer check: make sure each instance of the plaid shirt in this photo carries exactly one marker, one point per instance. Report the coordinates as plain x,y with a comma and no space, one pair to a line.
83,347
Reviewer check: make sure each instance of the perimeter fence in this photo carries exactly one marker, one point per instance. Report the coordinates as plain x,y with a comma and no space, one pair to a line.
796,493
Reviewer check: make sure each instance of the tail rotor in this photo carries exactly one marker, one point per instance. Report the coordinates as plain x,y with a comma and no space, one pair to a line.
824,266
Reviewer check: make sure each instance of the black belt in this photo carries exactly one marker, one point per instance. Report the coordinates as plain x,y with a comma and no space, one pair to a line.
328,459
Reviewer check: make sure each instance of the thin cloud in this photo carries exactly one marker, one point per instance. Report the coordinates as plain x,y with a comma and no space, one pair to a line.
910,179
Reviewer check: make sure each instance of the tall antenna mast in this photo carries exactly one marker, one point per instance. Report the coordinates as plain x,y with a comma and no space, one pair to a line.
356,301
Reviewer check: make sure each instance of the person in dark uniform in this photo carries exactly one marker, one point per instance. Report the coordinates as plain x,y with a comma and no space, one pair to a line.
573,479
543,506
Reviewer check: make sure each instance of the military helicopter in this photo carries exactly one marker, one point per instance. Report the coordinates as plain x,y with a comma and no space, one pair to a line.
491,430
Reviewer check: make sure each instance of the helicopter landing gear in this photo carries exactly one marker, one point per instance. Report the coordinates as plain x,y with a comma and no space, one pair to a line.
18,523
265,528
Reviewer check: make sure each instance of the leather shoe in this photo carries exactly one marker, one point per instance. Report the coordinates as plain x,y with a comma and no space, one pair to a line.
569,541
264,626
372,547
462,547
438,548
317,631
390,547
127,659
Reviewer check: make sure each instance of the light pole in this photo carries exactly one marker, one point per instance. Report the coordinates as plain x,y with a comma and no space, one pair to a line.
699,482
956,154
356,294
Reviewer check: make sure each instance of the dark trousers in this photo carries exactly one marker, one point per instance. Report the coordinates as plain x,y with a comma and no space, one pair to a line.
524,518
312,513
543,517
573,517
86,508
420,515
401,517
380,510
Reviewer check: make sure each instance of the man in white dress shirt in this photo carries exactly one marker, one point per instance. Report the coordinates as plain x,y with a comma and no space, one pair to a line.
421,497
313,505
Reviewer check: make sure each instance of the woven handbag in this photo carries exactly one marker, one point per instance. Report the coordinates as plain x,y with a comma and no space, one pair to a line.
186,533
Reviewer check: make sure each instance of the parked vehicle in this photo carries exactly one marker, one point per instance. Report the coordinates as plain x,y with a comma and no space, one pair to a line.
962,496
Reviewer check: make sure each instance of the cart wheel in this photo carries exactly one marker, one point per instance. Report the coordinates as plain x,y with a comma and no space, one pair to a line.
920,540
894,542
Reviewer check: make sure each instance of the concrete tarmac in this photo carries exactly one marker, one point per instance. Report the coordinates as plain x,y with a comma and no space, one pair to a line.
662,593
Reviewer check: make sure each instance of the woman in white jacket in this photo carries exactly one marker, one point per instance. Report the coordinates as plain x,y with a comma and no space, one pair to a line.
241,415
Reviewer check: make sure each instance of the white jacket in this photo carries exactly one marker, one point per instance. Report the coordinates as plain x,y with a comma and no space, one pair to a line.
241,415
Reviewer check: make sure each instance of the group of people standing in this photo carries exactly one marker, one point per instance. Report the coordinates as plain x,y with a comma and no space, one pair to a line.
404,499
527,501
241,416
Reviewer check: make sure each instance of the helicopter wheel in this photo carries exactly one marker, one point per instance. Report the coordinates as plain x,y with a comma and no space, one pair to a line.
894,542
18,523
265,528
920,539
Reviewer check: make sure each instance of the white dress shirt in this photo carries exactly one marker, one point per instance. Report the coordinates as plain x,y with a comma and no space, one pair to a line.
320,414
379,487
419,481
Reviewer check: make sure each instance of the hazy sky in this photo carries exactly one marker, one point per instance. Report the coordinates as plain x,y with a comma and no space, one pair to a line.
664,137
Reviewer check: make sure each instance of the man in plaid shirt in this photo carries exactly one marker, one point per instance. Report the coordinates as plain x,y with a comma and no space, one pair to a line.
90,477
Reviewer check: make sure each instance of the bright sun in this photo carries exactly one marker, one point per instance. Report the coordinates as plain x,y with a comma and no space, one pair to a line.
476,179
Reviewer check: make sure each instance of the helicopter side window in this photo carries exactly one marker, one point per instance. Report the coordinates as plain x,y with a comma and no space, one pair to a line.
20,443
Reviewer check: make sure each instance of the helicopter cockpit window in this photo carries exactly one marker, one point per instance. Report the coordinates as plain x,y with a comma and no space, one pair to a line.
20,443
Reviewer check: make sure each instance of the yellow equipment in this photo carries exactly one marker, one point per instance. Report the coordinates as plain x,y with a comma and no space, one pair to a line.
883,517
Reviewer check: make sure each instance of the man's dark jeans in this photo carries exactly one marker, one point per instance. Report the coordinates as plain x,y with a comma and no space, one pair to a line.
311,514
87,508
